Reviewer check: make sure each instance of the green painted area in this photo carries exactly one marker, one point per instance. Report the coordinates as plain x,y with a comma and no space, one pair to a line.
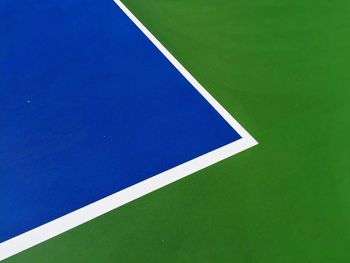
282,69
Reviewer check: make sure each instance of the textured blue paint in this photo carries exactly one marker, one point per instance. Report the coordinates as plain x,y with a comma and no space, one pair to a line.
88,106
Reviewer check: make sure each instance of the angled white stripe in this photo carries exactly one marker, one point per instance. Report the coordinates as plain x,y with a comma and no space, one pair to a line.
89,212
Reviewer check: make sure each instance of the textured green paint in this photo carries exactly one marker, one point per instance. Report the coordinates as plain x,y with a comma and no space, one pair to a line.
282,68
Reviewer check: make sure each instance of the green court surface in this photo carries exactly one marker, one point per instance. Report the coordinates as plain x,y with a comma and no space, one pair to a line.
282,69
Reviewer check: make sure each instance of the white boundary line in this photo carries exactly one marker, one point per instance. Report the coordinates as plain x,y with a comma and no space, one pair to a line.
89,212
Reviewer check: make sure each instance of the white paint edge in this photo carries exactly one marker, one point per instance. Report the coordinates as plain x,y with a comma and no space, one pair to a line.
89,212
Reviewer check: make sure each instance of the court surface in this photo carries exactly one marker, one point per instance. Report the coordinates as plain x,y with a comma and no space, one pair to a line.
282,70
95,113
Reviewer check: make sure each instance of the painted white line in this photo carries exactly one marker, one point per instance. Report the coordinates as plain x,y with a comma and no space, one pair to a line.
89,212
187,75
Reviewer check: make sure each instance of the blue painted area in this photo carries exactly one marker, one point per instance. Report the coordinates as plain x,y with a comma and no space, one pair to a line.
88,106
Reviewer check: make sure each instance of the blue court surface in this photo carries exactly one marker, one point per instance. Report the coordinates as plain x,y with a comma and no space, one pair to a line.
88,106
